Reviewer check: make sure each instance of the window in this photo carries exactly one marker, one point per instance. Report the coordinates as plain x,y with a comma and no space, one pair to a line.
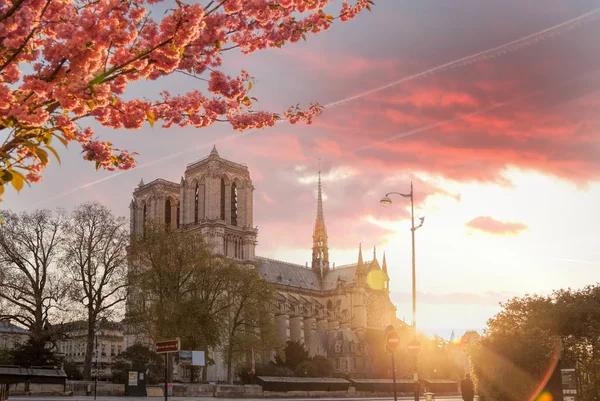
338,347
353,348
168,214
145,216
196,202
222,199
338,364
178,210
234,204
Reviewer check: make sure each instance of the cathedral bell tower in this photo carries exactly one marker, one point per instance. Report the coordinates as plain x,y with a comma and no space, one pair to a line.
320,250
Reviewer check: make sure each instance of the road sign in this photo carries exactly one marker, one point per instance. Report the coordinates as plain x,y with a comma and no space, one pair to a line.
414,347
163,347
392,340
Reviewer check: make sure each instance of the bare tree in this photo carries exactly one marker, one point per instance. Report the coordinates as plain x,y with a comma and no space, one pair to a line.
96,257
30,288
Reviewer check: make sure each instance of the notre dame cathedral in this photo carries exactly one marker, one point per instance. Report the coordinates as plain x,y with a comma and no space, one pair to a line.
337,312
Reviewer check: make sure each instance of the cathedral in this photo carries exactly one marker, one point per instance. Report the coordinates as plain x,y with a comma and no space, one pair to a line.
339,312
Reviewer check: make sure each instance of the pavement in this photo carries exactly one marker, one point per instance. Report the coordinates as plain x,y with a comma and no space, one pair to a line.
91,398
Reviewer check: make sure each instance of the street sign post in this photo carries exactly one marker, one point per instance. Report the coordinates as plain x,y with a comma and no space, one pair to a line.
166,347
163,347
392,342
414,347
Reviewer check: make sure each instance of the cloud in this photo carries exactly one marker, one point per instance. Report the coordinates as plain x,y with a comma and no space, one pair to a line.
492,226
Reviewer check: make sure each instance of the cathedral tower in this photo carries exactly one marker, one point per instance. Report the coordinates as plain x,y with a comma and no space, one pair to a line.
320,250
213,199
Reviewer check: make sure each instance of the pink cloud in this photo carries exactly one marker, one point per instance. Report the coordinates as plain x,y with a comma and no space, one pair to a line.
328,146
496,227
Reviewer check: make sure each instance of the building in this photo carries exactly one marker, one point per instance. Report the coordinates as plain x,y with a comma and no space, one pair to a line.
12,336
108,344
338,312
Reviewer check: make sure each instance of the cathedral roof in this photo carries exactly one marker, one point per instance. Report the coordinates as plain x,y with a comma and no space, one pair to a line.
345,274
298,276
289,274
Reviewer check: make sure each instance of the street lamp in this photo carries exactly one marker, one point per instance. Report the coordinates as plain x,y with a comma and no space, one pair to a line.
386,201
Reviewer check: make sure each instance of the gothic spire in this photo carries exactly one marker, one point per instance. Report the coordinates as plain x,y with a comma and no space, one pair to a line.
320,256
384,264
214,152
360,258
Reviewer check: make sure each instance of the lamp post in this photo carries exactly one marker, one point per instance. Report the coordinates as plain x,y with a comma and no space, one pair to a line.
386,201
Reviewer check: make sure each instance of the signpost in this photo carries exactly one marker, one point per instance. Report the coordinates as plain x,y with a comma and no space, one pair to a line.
163,347
166,347
414,347
392,342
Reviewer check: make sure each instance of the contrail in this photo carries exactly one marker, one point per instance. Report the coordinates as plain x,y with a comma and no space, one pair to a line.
494,52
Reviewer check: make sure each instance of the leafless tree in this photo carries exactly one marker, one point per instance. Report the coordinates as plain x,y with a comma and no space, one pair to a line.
30,286
96,258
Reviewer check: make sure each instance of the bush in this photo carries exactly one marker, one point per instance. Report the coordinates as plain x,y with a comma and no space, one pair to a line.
141,358
317,366
71,371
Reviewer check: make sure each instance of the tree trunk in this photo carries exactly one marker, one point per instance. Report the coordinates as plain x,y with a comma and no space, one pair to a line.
230,359
89,349
205,367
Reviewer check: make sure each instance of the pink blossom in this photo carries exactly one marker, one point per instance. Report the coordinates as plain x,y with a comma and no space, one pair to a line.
90,50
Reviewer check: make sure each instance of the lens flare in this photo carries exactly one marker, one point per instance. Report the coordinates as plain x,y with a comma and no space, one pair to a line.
545,396
376,279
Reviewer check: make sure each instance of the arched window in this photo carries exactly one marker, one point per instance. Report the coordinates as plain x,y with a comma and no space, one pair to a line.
196,202
144,219
222,199
234,204
178,210
168,214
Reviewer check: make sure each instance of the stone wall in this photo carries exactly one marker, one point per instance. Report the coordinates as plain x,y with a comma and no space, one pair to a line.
103,389
80,388
36,389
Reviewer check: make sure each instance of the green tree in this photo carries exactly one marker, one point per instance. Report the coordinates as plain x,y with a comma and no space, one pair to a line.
294,353
72,371
6,357
524,339
317,366
35,353
166,287
138,357
249,320
178,289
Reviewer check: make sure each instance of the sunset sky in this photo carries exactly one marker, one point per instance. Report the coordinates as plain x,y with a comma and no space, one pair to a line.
504,152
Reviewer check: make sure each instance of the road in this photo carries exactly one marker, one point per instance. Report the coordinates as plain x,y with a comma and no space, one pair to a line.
90,398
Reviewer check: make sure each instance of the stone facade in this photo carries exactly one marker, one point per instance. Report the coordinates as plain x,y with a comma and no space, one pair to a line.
109,343
214,199
11,336
329,309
